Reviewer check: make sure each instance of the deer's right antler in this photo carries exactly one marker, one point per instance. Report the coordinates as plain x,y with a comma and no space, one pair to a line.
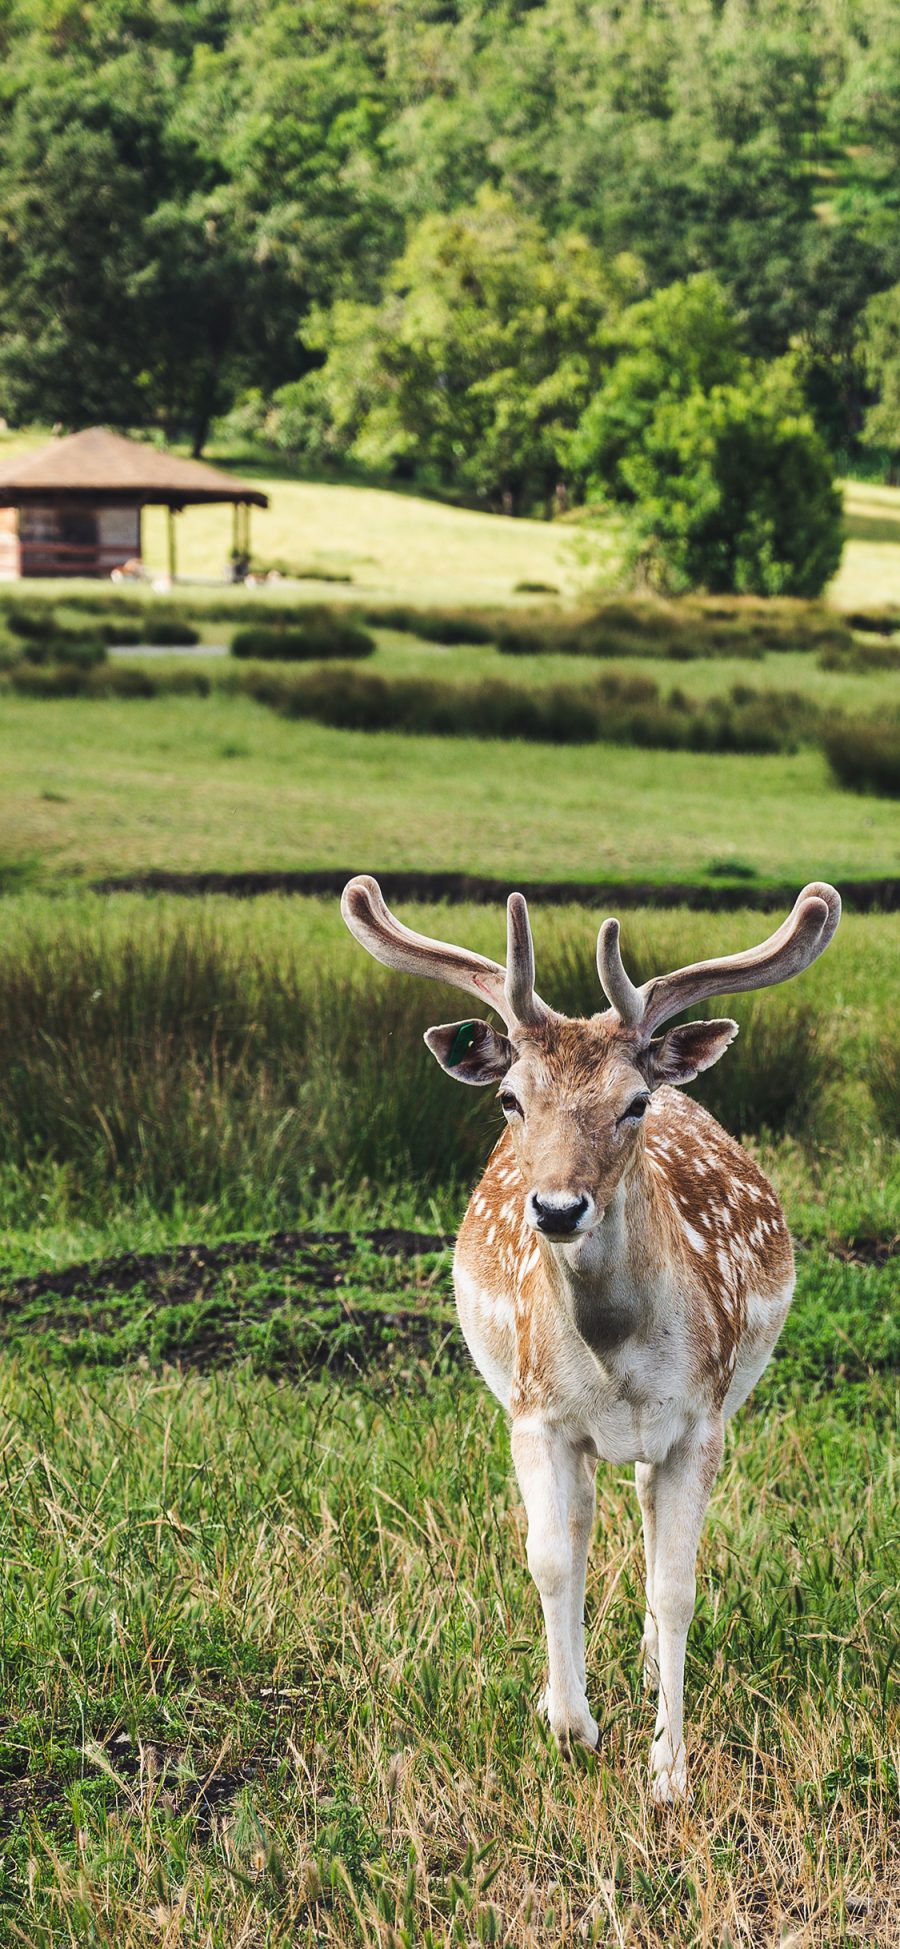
509,990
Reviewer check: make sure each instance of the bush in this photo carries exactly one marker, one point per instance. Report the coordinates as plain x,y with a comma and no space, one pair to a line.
875,622
617,710
170,631
433,625
862,659
677,631
36,625
319,638
49,680
728,483
297,573
735,491
865,757
121,635
79,652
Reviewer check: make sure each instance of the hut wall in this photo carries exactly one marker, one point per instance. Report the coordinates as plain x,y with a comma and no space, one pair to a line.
72,538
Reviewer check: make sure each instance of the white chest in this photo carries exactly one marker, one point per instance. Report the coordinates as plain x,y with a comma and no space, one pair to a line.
633,1406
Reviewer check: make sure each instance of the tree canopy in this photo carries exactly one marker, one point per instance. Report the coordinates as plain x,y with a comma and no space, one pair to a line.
336,219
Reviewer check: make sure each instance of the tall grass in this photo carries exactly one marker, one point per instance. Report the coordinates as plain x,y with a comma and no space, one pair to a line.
681,631
616,710
864,756
186,1063
320,636
272,1657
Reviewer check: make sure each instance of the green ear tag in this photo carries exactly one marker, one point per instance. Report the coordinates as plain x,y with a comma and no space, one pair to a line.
462,1042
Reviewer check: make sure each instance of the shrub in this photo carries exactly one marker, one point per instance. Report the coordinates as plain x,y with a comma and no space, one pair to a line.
37,625
318,639
49,680
79,652
728,484
617,710
864,756
862,659
170,631
876,622
433,625
121,635
297,573
535,589
126,680
680,631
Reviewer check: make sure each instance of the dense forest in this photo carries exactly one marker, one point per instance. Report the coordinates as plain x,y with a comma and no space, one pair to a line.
462,241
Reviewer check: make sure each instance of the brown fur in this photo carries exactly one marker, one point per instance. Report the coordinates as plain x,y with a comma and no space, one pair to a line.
698,1202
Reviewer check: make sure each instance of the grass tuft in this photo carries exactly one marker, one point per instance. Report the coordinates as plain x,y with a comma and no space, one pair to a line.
865,757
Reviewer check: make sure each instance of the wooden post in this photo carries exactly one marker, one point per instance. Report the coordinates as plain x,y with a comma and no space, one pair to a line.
171,540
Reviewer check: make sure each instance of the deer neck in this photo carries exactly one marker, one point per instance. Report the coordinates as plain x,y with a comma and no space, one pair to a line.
602,1278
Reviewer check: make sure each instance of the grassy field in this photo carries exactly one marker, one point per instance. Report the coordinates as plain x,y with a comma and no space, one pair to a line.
90,789
269,1652
269,1649
423,551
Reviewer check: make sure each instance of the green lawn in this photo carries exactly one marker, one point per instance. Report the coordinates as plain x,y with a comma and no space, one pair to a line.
271,1656
269,1651
398,545
91,788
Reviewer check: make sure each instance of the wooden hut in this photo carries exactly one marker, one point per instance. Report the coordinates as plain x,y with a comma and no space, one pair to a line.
74,507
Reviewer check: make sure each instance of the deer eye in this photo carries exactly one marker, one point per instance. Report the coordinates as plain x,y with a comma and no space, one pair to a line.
635,1109
509,1104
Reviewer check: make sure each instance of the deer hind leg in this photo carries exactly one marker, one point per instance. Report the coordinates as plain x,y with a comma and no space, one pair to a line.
682,1487
644,1477
557,1483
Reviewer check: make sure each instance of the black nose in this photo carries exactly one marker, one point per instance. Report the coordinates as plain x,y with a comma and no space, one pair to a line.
551,1215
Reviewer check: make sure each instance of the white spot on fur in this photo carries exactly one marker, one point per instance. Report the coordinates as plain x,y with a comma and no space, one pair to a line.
694,1240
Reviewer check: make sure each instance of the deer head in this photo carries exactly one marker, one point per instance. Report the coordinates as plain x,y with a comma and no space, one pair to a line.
574,1093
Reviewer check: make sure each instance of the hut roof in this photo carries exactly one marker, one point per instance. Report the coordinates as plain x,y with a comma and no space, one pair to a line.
103,466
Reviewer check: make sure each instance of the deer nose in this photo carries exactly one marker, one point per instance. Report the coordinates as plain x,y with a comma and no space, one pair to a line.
557,1213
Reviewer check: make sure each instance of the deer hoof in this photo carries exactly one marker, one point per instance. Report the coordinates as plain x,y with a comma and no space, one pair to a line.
669,1787
571,1726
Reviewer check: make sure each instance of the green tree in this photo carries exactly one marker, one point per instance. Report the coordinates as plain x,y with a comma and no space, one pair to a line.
734,492
477,363
881,358
683,339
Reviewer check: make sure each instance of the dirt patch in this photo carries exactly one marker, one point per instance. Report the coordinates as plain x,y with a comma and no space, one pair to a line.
859,896
148,1771
185,1271
865,1251
293,1303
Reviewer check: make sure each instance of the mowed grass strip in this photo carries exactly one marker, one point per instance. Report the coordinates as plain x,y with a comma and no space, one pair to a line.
117,787
271,1657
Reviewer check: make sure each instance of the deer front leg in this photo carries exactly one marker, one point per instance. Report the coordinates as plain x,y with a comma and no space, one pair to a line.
644,1474
556,1477
680,1489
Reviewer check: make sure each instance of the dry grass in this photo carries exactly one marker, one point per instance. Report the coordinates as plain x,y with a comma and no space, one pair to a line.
272,1656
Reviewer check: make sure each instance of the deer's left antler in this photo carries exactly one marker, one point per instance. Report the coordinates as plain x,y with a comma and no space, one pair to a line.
793,947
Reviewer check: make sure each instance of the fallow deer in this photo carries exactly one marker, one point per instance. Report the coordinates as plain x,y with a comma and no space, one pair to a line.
623,1269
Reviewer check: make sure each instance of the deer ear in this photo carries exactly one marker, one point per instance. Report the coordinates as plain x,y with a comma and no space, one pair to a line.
680,1055
473,1052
